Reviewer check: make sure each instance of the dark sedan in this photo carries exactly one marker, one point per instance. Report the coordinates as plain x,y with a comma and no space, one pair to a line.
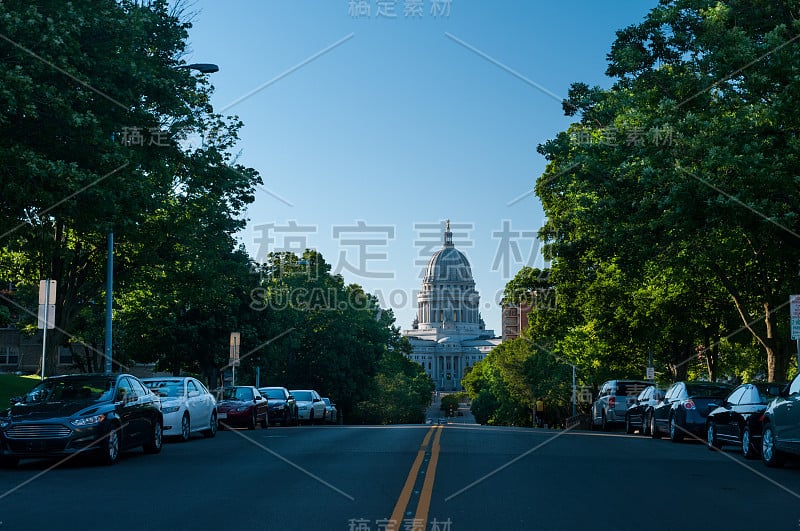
242,405
66,415
738,419
282,405
637,417
781,435
685,408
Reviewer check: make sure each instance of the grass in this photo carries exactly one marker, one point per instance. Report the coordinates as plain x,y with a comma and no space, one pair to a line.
13,385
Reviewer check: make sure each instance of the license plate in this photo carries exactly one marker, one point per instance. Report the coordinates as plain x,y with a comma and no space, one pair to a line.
222,416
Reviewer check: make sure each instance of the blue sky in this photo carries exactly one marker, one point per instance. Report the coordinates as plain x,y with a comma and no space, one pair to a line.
369,131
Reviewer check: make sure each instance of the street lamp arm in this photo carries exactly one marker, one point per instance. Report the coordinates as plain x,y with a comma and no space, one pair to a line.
203,68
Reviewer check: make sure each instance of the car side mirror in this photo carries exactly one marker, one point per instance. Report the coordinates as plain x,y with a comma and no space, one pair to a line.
316,400
15,400
290,397
193,394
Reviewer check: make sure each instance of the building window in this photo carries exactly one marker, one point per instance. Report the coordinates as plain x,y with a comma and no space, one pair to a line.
64,356
9,356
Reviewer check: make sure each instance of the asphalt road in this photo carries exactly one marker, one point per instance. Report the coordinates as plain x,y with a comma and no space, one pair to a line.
450,477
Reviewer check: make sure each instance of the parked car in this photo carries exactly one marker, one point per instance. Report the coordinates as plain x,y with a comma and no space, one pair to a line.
613,400
685,408
781,435
186,404
331,413
65,415
310,406
738,419
637,417
282,405
242,405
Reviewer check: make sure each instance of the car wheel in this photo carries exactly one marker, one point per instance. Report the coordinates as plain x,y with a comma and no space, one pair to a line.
212,426
628,425
153,446
771,456
109,449
654,427
287,418
265,421
253,422
604,423
749,451
645,429
711,437
311,418
675,434
185,428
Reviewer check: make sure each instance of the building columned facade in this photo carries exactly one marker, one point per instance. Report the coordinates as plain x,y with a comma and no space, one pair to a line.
448,334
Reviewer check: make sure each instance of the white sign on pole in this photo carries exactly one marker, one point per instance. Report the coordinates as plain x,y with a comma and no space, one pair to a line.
794,312
44,298
46,312
234,354
651,373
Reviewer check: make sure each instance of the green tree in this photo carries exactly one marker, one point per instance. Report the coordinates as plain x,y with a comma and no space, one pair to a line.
699,201
91,141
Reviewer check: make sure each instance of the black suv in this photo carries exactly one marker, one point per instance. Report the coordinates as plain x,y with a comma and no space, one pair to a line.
66,415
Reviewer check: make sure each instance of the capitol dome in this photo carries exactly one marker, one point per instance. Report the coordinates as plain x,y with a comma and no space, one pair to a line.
448,298
448,265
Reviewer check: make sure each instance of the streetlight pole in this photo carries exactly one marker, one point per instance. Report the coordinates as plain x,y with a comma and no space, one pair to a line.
203,68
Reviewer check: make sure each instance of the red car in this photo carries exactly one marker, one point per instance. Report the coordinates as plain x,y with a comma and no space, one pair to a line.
242,405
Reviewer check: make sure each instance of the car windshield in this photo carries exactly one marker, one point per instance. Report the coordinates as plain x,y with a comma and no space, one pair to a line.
707,391
237,393
65,389
302,396
630,388
274,394
166,388
327,401
768,391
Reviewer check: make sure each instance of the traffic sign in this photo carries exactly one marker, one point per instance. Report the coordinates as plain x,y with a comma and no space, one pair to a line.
794,312
44,297
47,312
234,354
651,373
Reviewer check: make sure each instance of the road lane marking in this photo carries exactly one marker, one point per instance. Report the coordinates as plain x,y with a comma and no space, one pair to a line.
405,494
430,475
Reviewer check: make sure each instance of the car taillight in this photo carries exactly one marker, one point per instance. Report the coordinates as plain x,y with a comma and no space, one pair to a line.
612,402
689,404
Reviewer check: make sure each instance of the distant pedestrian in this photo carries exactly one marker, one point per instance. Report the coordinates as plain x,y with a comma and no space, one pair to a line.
540,412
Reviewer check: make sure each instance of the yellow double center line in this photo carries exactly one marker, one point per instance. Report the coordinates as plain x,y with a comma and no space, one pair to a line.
424,503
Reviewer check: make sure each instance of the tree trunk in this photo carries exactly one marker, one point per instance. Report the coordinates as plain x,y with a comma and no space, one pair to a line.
777,368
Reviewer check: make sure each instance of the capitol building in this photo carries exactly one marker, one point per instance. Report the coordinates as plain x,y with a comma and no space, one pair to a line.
448,334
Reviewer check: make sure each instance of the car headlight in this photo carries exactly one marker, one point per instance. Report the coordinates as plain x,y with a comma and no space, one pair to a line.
170,409
4,423
302,408
87,421
243,408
